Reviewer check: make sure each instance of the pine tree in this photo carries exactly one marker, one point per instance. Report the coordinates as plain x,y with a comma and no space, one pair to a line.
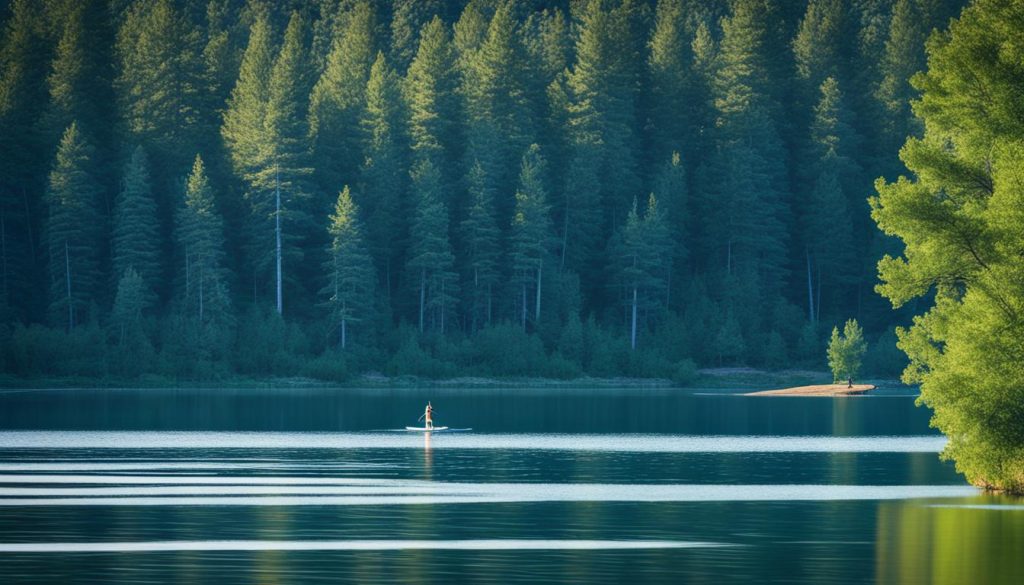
76,76
408,22
669,65
136,233
199,234
159,83
383,170
497,120
751,173
349,269
132,298
672,194
480,236
72,232
643,262
339,96
267,134
825,209
430,255
246,109
429,92
531,233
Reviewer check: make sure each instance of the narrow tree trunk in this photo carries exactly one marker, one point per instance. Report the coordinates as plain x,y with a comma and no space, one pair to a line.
728,258
817,304
67,274
3,249
423,294
489,297
28,225
344,333
565,230
810,289
443,303
277,229
523,312
632,333
540,268
202,277
188,268
476,298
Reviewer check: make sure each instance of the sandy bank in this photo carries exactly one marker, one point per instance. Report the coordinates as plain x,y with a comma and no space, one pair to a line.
817,390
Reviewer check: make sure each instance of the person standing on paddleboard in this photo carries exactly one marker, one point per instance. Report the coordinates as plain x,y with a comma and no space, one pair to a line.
428,414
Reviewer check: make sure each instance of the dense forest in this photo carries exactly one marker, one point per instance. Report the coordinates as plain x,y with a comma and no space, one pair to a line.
198,189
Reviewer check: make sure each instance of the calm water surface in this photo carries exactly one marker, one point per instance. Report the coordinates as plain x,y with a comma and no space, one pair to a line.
599,486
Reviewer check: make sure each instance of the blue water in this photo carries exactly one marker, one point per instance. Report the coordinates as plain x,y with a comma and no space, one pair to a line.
603,486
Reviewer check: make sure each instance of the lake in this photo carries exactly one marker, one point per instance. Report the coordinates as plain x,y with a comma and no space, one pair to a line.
551,485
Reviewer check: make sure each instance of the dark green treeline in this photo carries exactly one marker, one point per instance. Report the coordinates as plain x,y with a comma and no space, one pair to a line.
197,188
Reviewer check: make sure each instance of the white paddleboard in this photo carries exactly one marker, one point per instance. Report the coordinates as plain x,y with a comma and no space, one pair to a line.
425,429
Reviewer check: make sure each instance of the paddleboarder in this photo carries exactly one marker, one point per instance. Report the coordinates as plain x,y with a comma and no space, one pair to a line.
428,414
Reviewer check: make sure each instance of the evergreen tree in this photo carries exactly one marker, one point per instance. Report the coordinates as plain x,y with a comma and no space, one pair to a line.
669,69
531,233
672,194
383,168
480,236
72,231
131,300
246,108
903,56
497,121
159,82
199,234
136,233
408,21
429,92
825,209
751,174
430,254
643,262
339,96
349,269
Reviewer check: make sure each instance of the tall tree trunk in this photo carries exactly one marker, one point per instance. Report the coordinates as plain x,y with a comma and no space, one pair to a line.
28,225
632,333
344,333
3,250
540,267
523,312
67,274
565,230
817,304
810,289
277,229
423,294
489,297
476,299
202,277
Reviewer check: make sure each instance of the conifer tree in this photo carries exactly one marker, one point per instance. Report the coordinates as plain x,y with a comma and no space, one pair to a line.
429,92
246,108
159,82
136,232
643,262
531,233
672,194
669,63
751,174
131,300
383,171
75,77
496,110
199,234
408,21
339,96
349,269
430,255
72,231
480,235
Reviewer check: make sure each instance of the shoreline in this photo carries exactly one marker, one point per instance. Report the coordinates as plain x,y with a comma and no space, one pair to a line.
818,390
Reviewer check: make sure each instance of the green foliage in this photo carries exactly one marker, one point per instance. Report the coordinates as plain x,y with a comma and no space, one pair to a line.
349,269
685,373
73,229
136,233
480,234
531,233
430,255
846,351
960,221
